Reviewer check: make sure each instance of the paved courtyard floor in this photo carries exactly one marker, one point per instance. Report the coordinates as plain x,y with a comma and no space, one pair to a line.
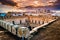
52,32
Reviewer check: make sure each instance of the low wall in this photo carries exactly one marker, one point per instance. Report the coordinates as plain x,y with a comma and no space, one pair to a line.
36,28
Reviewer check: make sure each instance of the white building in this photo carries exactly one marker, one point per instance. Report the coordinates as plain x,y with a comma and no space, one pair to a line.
56,12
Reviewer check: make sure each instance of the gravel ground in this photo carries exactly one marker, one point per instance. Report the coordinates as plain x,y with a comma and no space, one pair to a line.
52,32
5,35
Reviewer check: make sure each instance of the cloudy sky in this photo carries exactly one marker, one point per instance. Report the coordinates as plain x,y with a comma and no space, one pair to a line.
22,3
8,5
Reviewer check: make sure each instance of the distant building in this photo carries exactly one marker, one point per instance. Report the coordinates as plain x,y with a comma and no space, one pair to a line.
2,14
15,14
55,12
